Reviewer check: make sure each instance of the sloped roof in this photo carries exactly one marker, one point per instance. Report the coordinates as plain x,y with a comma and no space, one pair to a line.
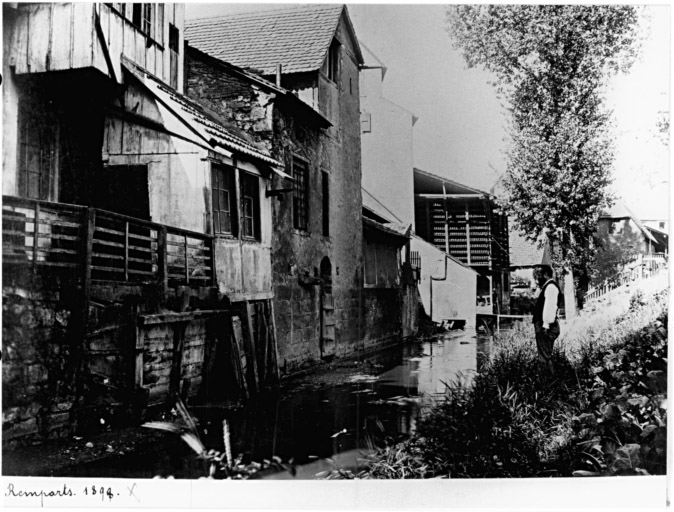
619,210
390,232
197,121
524,253
376,206
372,61
296,38
429,183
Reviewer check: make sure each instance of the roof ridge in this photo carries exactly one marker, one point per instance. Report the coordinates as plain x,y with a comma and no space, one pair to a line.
299,7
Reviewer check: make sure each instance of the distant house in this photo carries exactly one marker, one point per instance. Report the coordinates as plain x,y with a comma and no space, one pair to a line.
623,238
466,224
524,257
387,140
288,79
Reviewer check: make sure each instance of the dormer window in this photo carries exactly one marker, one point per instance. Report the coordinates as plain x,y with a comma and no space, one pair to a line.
333,60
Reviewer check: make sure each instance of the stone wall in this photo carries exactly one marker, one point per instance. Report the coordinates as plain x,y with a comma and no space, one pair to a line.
38,371
333,152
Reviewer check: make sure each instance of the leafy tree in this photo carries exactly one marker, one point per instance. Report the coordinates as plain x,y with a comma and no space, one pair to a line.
551,63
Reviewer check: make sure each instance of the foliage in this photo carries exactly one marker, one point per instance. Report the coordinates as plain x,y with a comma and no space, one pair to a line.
603,412
620,244
550,63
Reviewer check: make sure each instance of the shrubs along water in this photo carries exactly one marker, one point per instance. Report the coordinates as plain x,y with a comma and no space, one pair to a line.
602,413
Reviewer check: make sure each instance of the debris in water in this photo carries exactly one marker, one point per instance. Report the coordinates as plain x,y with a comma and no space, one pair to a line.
362,378
89,444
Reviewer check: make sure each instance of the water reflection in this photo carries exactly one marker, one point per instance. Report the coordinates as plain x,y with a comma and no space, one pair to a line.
340,419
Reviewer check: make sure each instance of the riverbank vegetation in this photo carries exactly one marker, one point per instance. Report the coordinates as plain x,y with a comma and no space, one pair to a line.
602,413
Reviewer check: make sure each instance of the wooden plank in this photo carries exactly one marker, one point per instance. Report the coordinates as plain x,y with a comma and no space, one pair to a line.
38,41
151,57
263,341
116,41
18,50
277,371
62,28
239,361
83,35
139,48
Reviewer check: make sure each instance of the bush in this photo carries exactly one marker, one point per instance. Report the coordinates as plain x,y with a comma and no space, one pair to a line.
603,412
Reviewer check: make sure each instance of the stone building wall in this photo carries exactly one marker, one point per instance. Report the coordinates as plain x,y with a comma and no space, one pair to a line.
333,152
38,371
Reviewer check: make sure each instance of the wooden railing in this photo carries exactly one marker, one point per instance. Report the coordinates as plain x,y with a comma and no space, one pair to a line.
640,267
108,245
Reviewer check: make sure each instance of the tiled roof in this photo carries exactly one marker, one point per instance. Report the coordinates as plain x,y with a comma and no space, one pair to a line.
296,38
199,123
523,252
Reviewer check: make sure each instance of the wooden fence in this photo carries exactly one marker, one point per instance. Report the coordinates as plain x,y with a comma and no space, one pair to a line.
107,246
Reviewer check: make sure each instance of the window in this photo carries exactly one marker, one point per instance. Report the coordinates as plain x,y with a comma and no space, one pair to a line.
326,204
223,197
174,51
300,193
250,206
149,18
37,153
333,60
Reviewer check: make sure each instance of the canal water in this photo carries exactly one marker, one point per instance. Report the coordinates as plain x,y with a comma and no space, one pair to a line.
322,421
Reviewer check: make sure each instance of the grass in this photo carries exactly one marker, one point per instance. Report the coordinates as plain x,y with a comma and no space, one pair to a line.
602,413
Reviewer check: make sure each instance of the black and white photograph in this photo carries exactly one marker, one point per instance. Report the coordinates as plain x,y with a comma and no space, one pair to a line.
322,242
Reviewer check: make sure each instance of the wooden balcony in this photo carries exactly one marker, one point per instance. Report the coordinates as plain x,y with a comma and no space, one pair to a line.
103,246
80,35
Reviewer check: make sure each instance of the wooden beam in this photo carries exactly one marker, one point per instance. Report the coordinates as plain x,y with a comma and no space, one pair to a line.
250,340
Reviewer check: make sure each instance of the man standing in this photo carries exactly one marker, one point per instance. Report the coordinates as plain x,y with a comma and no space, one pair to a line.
545,314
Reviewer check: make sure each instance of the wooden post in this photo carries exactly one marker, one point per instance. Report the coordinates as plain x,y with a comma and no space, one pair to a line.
162,260
263,337
87,247
250,341
36,236
126,250
237,347
187,267
214,277
274,352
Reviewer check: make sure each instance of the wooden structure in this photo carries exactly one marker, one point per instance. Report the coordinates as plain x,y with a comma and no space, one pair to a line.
465,223
133,221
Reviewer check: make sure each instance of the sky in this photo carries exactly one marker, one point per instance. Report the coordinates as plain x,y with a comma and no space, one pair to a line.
461,132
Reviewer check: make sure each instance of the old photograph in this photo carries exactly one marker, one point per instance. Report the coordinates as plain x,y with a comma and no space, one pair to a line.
334,242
